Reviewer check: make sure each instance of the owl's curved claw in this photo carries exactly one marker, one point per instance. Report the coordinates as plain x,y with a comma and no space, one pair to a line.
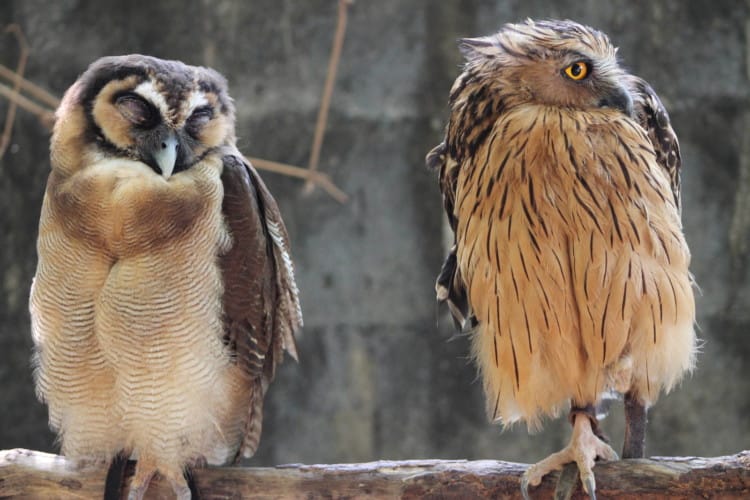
589,485
138,492
525,487
584,448
181,491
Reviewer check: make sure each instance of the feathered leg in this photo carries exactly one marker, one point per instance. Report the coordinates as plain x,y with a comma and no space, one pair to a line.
144,471
586,445
634,445
183,487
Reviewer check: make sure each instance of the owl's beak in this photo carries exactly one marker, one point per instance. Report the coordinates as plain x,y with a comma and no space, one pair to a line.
166,155
619,98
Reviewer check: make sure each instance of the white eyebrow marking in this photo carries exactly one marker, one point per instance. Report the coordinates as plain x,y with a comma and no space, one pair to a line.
196,100
149,92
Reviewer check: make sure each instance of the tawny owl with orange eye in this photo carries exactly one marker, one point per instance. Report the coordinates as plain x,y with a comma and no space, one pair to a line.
164,297
560,179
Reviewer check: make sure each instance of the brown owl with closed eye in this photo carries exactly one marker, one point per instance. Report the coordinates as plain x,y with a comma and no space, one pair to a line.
164,296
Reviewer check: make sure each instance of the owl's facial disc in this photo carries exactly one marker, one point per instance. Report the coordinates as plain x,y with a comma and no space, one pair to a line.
161,113
170,139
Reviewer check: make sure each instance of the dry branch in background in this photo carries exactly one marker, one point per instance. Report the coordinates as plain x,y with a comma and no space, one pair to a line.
313,176
325,101
30,88
43,104
23,56
32,474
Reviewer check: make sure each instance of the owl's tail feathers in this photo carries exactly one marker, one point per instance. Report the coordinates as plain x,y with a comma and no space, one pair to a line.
450,289
254,422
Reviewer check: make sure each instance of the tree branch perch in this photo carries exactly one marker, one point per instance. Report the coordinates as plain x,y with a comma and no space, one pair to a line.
33,474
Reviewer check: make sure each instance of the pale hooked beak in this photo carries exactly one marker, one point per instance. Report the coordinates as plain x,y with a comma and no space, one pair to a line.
166,155
619,98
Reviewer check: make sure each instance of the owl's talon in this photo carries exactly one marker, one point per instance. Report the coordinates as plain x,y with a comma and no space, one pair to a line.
182,492
589,485
583,449
137,493
525,487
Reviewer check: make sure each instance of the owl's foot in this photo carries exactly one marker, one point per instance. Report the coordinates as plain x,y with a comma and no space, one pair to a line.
584,448
142,479
139,483
181,489
144,472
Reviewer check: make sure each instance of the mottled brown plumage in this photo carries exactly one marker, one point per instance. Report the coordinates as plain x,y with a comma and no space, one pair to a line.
560,178
164,296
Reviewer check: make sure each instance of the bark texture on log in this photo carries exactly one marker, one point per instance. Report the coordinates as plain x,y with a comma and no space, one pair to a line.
31,474
378,378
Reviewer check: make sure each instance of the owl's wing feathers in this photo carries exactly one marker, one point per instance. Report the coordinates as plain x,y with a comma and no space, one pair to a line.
261,295
261,302
450,287
655,121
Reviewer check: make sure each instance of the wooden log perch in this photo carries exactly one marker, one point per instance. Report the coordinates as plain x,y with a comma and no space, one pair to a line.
33,474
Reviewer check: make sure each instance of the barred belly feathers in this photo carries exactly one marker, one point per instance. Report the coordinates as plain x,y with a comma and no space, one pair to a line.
164,295
559,174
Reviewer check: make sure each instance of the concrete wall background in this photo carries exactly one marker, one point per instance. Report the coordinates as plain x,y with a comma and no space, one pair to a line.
379,376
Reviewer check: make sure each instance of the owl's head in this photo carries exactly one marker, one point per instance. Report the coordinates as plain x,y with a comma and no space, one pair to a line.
558,63
165,114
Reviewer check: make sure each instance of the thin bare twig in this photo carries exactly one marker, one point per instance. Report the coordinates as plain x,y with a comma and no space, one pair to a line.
45,115
291,171
30,87
325,102
10,116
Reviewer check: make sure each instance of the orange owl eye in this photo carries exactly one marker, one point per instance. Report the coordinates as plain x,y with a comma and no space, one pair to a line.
578,70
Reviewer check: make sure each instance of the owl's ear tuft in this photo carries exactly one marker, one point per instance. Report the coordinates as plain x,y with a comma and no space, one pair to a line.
476,47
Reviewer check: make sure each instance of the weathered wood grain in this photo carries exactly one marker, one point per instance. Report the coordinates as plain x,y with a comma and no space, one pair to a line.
32,474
